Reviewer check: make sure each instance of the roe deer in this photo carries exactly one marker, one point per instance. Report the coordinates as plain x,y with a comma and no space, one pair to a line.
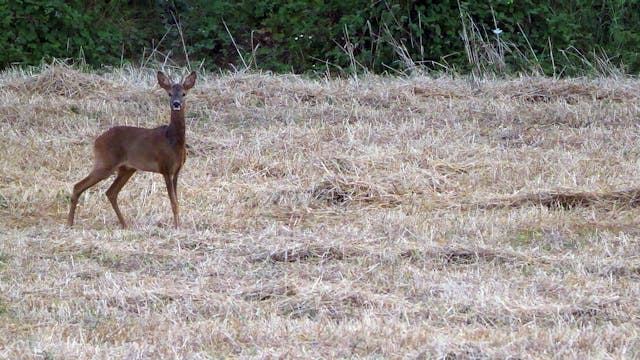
126,149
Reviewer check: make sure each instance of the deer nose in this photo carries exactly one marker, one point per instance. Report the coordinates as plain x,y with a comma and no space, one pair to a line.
176,104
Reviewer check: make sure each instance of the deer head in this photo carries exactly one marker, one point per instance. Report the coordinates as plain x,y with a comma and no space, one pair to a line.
176,92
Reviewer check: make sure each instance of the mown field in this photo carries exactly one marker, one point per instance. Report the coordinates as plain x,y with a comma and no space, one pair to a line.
350,218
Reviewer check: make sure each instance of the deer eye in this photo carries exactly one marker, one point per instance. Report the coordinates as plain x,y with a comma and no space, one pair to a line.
184,94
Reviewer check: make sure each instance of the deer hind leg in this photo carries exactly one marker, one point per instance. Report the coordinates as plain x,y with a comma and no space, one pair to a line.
124,174
173,198
97,175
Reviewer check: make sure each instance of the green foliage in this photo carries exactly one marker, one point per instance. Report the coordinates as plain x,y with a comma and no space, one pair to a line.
352,35
98,32
571,32
301,36
339,36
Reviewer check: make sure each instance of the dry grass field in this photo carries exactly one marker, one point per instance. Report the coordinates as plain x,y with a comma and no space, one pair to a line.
349,218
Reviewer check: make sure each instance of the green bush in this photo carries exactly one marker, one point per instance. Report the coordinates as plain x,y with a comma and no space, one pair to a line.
339,36
303,36
98,32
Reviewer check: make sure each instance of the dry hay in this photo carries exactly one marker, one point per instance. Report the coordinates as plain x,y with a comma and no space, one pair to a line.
334,218
308,252
268,292
344,304
339,190
460,255
375,93
570,91
60,79
631,271
567,199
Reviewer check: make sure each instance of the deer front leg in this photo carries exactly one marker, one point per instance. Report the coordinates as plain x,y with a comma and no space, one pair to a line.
173,198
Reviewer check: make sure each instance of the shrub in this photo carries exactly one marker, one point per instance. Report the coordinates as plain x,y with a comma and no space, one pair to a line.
343,36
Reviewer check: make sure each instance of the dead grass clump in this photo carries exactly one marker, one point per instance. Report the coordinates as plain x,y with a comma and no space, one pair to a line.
435,90
268,292
337,306
581,314
556,91
77,250
305,253
631,271
464,256
259,91
115,261
63,80
339,191
586,312
380,93
142,303
265,97
288,196
341,165
399,97
466,351
567,200
569,91
146,262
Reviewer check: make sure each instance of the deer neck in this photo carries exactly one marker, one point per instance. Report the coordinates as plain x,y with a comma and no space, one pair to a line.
176,129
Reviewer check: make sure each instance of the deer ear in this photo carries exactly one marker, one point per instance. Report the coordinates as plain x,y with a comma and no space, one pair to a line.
164,81
189,81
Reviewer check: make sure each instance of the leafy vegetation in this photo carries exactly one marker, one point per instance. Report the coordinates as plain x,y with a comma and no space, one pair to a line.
502,36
